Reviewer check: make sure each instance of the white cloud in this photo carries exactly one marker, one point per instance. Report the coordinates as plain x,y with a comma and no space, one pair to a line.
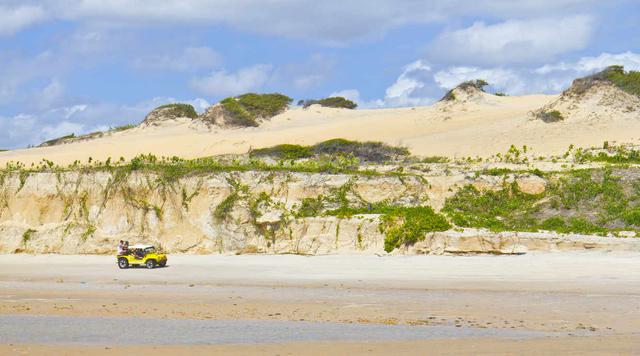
191,59
61,129
70,111
221,83
406,84
49,94
549,78
329,21
199,104
413,87
14,19
36,127
506,79
405,91
513,41
304,75
630,60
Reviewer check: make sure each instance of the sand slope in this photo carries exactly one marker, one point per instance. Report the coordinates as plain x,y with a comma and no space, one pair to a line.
483,126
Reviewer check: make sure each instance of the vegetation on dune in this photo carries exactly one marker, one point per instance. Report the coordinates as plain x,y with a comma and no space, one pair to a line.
435,159
505,209
408,225
58,140
73,138
245,110
171,168
122,128
369,151
580,201
330,102
377,152
610,154
284,151
264,105
310,207
178,110
627,81
401,225
477,84
550,116
237,114
26,236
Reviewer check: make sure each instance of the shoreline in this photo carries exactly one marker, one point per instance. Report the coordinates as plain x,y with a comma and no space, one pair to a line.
592,294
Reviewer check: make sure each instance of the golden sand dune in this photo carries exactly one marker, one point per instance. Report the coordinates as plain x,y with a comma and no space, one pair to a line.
474,124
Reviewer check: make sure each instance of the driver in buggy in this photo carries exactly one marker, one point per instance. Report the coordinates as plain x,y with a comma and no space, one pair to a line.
138,253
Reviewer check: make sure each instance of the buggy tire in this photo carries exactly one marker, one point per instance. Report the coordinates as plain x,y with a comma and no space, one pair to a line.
123,263
151,264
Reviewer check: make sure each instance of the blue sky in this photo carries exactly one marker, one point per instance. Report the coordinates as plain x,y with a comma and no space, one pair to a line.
76,66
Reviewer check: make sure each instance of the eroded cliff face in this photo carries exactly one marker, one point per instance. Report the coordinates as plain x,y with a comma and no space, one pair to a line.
248,212
224,212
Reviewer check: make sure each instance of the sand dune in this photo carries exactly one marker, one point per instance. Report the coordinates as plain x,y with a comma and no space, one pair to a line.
478,126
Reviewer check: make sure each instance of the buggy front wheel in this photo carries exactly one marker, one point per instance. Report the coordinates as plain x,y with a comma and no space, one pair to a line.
123,263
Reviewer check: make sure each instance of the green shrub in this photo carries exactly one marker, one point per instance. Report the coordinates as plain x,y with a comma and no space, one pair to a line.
620,155
583,226
632,217
500,94
505,209
284,151
310,207
406,226
580,188
26,236
264,106
330,102
627,81
122,127
369,151
435,159
555,223
238,115
57,141
178,110
550,116
226,206
478,84
246,109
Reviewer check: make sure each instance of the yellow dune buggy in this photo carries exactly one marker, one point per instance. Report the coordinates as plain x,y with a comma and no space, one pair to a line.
142,255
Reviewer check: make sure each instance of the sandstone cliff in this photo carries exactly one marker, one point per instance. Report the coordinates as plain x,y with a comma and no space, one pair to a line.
247,212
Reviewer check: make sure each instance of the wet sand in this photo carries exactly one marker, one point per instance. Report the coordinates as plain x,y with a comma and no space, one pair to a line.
590,298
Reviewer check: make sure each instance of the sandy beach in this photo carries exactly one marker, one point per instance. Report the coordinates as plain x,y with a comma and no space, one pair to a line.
585,302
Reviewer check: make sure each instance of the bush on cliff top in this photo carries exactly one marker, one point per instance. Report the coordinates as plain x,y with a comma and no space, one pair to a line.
368,151
284,151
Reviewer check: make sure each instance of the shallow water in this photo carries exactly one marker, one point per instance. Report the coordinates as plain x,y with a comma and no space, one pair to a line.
131,331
